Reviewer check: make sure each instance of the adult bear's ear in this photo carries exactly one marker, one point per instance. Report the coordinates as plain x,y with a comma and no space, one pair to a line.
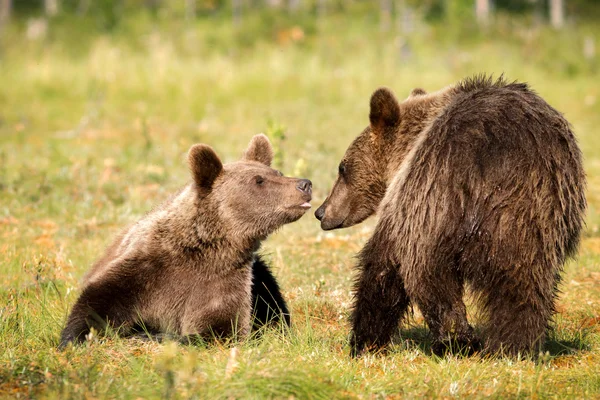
205,165
385,110
259,150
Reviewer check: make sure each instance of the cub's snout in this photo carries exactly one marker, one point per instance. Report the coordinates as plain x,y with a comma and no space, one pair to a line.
305,186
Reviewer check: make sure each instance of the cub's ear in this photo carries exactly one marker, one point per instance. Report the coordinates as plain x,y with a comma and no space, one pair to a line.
259,150
205,165
418,92
385,110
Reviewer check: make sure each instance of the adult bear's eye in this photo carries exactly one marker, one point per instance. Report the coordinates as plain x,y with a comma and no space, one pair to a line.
342,169
259,180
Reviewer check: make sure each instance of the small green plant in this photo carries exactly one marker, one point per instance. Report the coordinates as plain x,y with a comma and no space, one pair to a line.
276,132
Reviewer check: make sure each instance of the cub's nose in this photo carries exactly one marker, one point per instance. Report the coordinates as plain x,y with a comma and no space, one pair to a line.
305,186
320,212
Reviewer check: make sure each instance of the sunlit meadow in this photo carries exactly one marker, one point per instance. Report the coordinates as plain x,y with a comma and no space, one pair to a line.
94,129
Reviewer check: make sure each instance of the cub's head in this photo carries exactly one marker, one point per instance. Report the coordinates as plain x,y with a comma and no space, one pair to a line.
251,198
361,181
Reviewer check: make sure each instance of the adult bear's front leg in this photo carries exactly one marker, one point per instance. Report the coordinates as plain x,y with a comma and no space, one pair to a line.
380,302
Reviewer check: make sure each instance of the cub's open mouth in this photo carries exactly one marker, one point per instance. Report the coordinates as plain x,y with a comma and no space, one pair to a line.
304,206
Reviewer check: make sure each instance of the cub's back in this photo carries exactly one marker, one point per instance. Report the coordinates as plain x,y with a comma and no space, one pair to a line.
137,239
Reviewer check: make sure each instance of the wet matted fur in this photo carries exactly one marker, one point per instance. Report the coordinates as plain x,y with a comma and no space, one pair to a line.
480,183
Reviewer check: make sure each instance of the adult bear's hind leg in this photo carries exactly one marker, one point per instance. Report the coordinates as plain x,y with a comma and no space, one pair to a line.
519,307
438,292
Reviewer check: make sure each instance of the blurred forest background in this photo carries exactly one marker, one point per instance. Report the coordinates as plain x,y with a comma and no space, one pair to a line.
109,12
101,99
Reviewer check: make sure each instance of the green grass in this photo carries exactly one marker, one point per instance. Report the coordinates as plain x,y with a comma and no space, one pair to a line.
93,132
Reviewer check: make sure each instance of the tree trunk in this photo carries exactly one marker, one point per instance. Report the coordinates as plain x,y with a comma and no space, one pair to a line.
5,7
236,6
83,7
557,13
385,11
321,8
405,17
293,5
482,11
589,48
190,9
273,3
51,7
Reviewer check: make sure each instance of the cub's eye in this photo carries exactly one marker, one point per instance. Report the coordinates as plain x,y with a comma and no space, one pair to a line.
342,169
280,173
259,180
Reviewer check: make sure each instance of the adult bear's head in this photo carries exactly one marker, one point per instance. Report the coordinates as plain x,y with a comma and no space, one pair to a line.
371,160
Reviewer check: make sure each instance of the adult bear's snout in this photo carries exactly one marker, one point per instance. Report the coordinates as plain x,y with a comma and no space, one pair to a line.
320,212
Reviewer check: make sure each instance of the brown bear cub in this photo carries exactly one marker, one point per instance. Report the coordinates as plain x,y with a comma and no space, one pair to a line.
190,267
479,183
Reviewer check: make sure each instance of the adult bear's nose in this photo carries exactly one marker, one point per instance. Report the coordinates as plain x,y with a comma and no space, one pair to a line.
320,212
305,186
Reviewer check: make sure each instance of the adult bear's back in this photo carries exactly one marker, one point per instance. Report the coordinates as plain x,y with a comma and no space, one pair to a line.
497,161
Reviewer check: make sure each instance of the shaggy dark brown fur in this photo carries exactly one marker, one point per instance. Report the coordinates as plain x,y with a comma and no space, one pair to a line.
190,266
479,183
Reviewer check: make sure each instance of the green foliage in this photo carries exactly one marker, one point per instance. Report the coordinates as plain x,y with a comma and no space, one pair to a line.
276,133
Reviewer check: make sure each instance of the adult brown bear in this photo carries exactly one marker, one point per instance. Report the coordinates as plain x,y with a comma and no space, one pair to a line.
190,267
479,183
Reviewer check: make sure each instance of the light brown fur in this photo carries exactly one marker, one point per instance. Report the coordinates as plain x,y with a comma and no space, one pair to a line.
187,267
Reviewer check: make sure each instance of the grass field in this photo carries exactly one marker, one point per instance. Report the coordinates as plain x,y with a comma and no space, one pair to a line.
94,129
